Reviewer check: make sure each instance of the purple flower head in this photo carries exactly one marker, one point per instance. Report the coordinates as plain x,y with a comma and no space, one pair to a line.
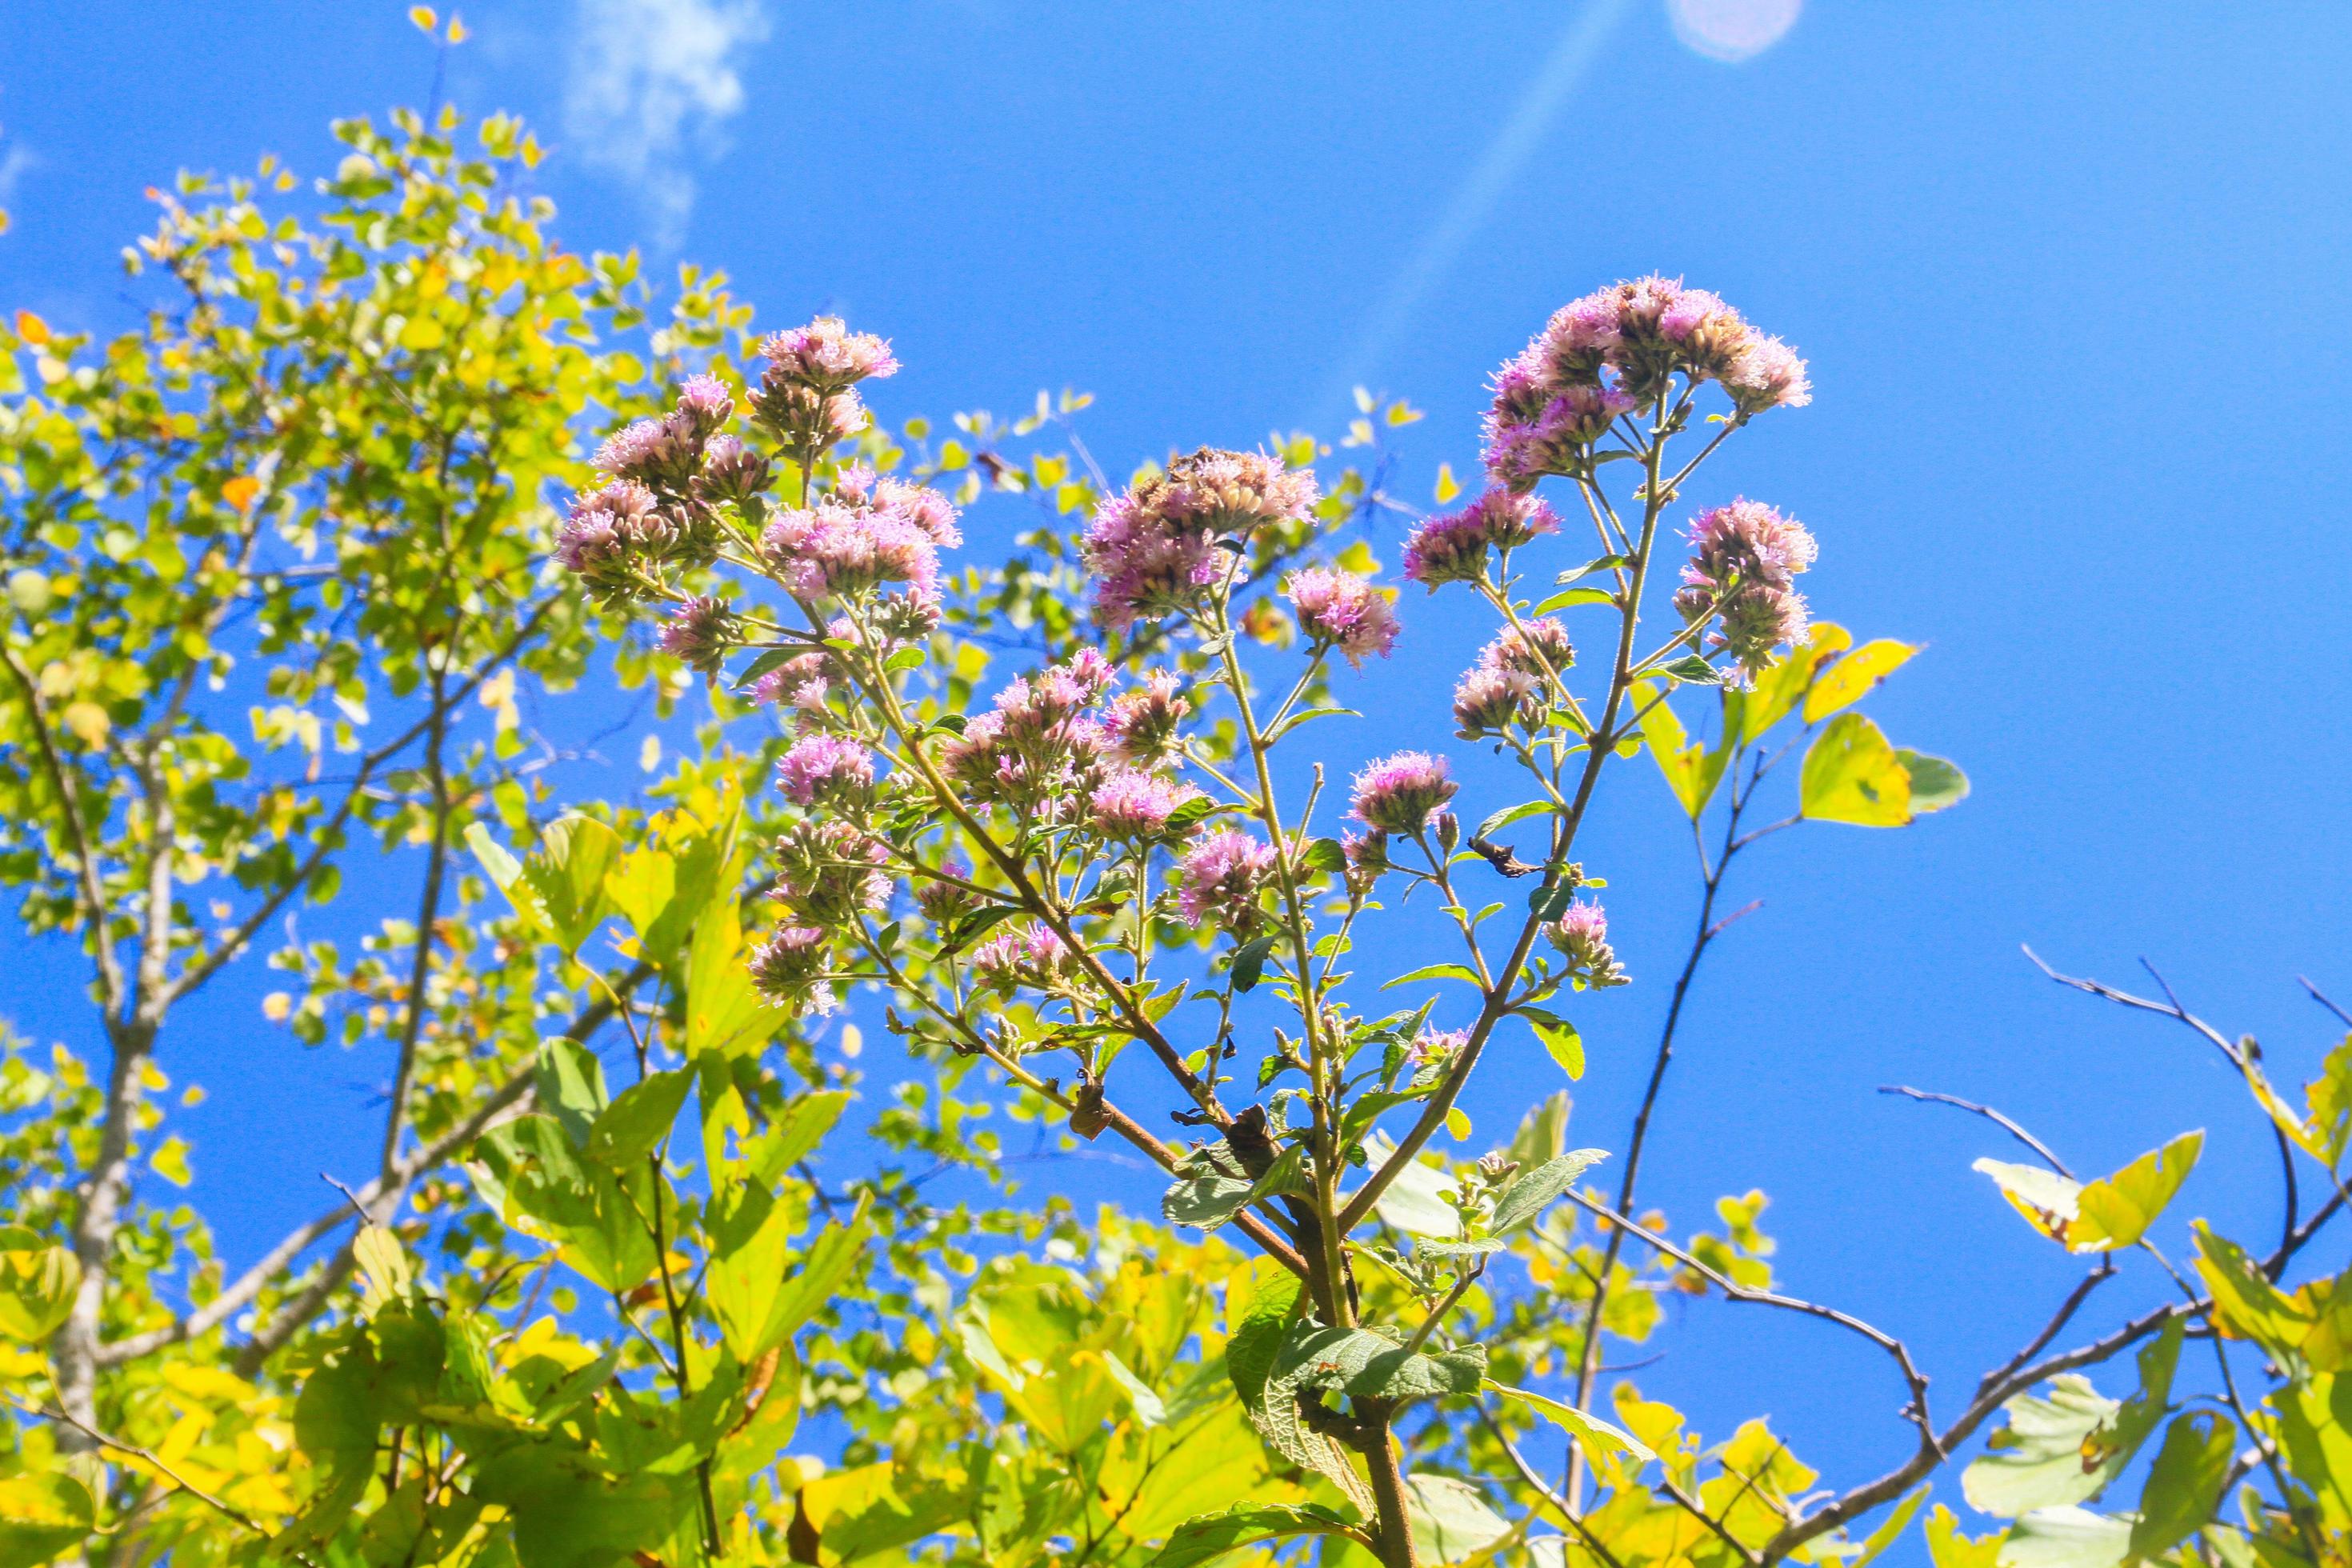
1556,438
706,405
1366,855
699,633
1436,1045
1539,648
943,903
732,471
1751,541
1396,793
1134,806
1339,610
907,616
799,681
826,355
789,967
802,415
1581,338
830,873
1709,336
922,506
1582,932
1222,872
1453,548
1012,959
1143,722
1489,701
829,549
611,535
1744,561
827,770
1768,374
1151,549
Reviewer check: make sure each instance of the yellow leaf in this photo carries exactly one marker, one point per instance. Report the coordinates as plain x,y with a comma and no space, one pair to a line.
1448,487
1457,1122
31,327
421,334
1783,681
457,32
170,1161
2047,1200
2116,1211
1851,679
277,1006
1851,774
424,18
239,492
87,722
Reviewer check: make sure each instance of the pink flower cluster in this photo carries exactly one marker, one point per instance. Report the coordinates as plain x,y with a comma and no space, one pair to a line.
1154,549
1744,561
1224,873
1396,793
1436,1046
1038,748
1343,611
807,393
612,534
866,533
826,770
666,453
1010,960
1452,548
668,475
1582,933
790,966
943,902
699,633
1133,806
1510,682
1616,350
1144,722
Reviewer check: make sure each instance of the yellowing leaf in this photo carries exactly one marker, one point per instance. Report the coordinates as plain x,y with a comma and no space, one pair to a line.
1849,680
421,334
1851,774
31,327
457,32
86,721
424,18
1448,487
239,492
1783,684
2116,1211
1692,771
170,1161
43,1516
385,1272
38,1281
2046,1199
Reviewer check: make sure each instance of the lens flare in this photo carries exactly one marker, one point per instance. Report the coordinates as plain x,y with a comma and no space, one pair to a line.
1732,30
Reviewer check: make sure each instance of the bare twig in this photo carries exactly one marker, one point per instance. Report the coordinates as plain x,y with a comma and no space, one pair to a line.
1990,1114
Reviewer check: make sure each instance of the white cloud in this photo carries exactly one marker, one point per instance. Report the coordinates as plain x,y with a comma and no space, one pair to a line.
649,76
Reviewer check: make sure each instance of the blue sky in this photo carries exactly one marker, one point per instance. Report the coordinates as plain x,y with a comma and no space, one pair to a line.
2070,276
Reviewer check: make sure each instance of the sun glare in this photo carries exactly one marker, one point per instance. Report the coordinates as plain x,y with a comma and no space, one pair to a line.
1732,30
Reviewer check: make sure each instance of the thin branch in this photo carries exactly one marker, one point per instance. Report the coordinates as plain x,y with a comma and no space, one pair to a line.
1990,1114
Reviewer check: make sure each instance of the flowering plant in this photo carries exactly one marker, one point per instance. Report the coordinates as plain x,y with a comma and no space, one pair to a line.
1033,884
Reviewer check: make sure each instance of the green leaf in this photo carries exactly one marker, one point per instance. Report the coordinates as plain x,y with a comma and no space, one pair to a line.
1851,775
2064,1447
1249,960
1692,669
1571,597
43,1516
758,1307
1935,783
1597,1437
1436,972
2065,1538
1371,1363
1890,1529
1559,1037
1510,814
38,1282
1418,1201
1691,770
1327,855
1211,1186
2116,1211
629,1128
2184,1485
505,872
531,1171
1531,1190
724,1011
567,877
1261,1300
570,1081
1543,1131
1599,564
1451,1522
1209,1536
